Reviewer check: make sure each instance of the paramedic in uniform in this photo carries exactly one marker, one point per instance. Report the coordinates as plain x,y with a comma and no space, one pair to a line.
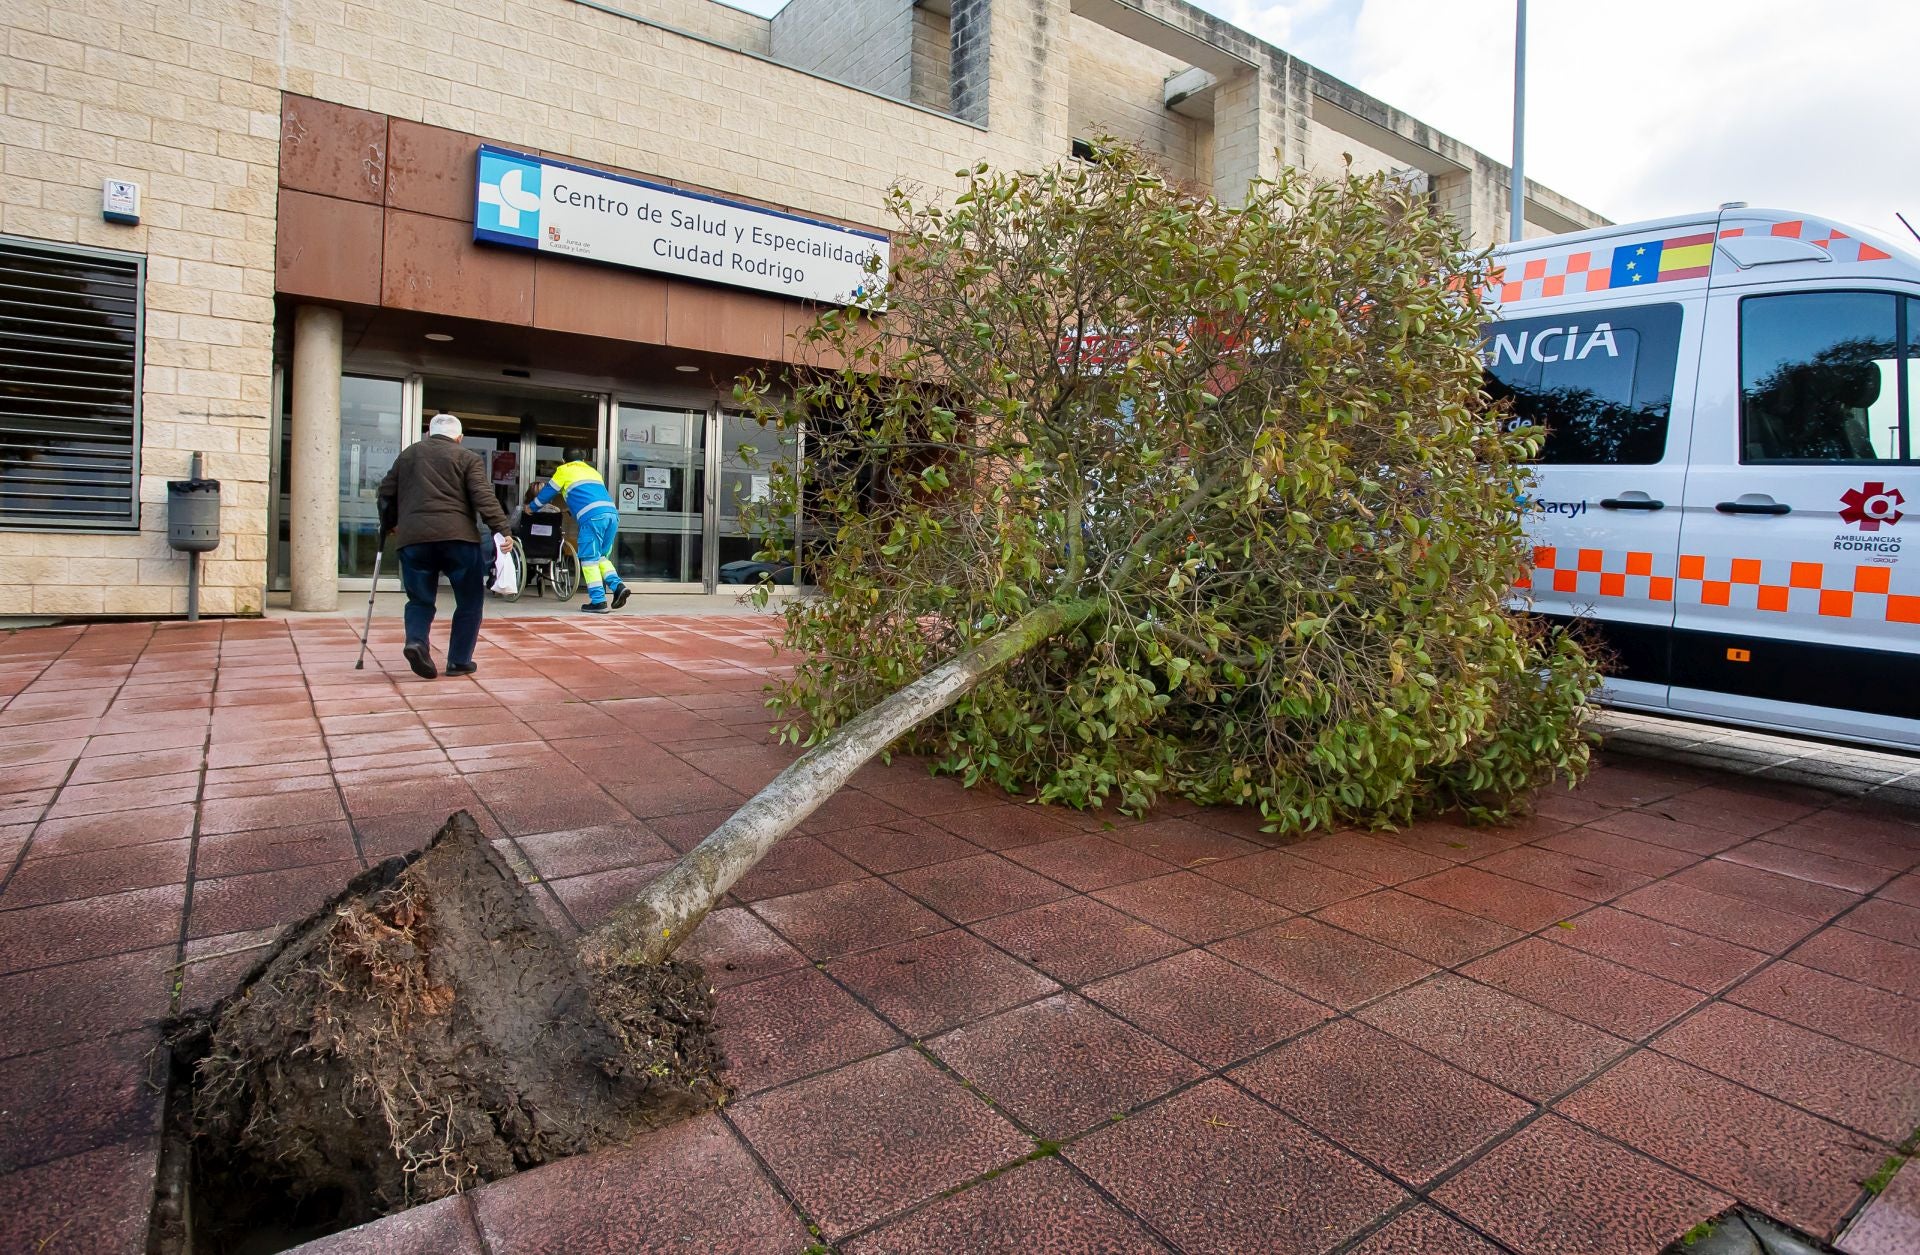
598,523
428,500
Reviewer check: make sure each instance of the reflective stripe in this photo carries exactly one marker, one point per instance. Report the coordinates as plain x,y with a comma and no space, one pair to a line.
1830,590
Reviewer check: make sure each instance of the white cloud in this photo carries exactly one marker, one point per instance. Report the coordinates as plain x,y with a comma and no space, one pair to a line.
1642,108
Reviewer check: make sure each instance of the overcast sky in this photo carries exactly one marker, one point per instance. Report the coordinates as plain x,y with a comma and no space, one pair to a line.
1645,108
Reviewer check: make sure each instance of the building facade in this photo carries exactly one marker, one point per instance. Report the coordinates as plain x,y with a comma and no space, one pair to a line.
279,233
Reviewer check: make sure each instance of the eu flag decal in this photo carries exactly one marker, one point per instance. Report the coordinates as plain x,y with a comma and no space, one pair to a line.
1636,265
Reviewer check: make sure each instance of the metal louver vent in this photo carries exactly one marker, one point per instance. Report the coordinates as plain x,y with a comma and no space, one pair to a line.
70,335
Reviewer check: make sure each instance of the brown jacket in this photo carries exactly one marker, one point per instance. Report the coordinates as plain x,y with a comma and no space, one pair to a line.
434,490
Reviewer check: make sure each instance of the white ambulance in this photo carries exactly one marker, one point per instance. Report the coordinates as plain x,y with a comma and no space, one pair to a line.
1731,470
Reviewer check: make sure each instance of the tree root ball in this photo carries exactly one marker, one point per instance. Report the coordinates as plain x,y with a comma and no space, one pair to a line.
428,1030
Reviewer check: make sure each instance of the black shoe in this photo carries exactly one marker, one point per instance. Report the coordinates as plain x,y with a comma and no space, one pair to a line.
596,607
620,596
420,658
462,668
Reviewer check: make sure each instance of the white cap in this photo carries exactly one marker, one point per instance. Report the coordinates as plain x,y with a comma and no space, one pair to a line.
444,425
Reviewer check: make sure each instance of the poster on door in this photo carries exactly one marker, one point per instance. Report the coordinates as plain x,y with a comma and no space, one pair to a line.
506,467
659,477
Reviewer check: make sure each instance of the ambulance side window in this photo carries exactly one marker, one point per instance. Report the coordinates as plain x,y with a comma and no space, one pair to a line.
1600,381
1820,378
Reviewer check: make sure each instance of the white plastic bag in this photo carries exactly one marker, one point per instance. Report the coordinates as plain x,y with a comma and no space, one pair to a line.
506,570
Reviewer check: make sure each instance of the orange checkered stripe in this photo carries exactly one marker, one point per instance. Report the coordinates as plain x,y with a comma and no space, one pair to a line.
1832,590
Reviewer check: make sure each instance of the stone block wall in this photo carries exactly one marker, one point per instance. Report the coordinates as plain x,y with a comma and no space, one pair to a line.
868,43
1118,89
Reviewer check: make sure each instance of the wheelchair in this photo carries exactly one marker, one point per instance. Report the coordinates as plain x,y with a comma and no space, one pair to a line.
547,559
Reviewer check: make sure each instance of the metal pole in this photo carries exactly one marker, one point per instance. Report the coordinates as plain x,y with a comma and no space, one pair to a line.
193,560
1517,212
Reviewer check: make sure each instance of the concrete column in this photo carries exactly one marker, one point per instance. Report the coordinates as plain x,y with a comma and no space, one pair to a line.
313,478
1260,121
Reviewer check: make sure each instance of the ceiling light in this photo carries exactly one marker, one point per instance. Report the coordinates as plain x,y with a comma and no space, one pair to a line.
686,370
438,337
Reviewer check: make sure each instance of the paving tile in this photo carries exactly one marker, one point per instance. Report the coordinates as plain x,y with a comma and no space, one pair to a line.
977,888
1846,1084
1217,1171
1405,1111
1905,889
690,1186
845,918
599,848
89,1204
868,1141
1328,965
1514,1044
1088,862
385,836
1647,945
1569,809
1656,829
1889,921
1191,907
732,946
40,880
90,928
899,847
273,849
1581,987
1890,1224
232,904
1002,826
1594,846
1205,1007
114,829
795,864
1862,957
1557,1189
792,1025
917,793
445,1227
1837,1007
851,808
93,1093
936,982
1062,1065
51,1007
1383,862
591,898
1295,883
1563,873
1077,939
1511,902
1791,1165
1182,842
1427,930
1041,1206
1716,915
1769,889
1449,842
1842,836
273,811
1747,810
1424,1231
1809,865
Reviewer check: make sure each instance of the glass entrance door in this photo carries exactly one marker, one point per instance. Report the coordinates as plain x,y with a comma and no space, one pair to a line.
745,458
659,483
523,434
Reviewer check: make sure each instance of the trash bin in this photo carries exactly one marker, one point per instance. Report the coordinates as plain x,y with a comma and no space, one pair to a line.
193,514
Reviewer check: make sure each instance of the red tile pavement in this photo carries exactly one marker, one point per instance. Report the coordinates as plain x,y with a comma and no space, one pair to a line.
1362,1078
1887,1225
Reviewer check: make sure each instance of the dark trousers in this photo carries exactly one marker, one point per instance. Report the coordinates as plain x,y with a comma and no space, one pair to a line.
464,563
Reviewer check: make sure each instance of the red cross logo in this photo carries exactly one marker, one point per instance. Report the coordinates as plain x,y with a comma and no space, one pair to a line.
1871,506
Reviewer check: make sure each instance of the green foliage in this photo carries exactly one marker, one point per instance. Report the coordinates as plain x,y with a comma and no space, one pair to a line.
1256,436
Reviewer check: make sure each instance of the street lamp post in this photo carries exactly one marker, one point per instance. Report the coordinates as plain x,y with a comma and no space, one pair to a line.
1517,210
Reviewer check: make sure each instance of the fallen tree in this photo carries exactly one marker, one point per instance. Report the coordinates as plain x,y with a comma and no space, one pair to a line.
1125,494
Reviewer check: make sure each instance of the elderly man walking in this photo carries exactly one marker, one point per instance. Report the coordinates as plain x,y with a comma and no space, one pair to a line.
428,500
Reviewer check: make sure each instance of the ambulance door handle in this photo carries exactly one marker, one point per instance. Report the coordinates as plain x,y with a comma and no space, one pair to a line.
1755,503
1639,502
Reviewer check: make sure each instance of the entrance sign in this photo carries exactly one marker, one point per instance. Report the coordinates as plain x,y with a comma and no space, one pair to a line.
525,201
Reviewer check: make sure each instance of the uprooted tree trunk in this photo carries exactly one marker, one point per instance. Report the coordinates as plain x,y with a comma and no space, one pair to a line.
652,926
427,1029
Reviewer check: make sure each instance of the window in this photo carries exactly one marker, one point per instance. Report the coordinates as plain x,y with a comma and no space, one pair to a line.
69,387
1600,381
1821,377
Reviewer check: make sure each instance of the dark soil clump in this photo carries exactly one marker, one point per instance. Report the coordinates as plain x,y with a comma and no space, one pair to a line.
423,1032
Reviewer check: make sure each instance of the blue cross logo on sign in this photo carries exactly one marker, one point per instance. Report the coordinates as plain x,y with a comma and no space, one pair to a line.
509,197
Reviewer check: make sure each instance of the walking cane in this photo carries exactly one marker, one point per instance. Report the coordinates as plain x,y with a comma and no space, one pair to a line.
360,663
